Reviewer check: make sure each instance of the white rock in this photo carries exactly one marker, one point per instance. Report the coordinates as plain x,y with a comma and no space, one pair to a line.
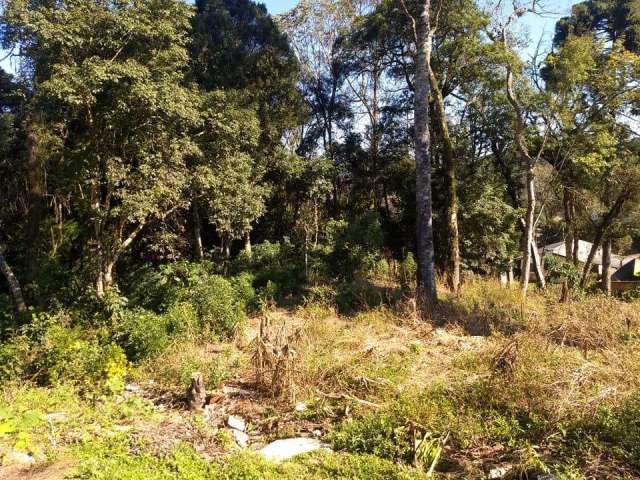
282,450
236,423
14,457
498,472
301,407
56,417
241,438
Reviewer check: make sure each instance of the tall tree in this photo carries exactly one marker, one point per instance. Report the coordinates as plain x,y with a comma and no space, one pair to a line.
118,110
427,295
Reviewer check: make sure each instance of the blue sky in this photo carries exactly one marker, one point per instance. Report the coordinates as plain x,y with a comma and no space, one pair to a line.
536,26
279,6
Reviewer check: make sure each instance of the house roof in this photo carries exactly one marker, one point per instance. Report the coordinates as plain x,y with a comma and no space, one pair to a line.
584,247
629,272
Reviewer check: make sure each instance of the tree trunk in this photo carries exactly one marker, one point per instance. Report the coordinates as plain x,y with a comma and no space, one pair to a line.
606,266
613,212
14,285
197,234
426,281
529,165
569,220
528,229
36,189
537,264
316,223
451,210
247,244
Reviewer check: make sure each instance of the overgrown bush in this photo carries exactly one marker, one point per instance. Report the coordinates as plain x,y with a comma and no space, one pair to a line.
356,245
219,303
280,264
218,306
142,333
50,350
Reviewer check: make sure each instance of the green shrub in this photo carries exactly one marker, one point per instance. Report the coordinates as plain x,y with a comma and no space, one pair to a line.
357,246
218,305
142,333
281,263
50,351
320,294
384,435
619,426
70,355
243,286
408,271
182,320
15,355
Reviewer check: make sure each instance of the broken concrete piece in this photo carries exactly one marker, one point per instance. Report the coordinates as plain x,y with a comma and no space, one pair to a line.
57,417
18,458
498,472
241,438
284,449
236,423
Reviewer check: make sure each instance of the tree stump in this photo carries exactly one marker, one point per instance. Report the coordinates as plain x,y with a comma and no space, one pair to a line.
196,395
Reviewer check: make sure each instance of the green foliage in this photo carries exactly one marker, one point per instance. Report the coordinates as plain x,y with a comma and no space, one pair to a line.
218,305
489,229
356,246
142,333
619,426
408,271
558,269
277,268
51,351
183,289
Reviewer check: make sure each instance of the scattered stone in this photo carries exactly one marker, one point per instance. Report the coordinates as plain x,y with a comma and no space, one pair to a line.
235,391
317,433
57,417
498,472
301,407
18,458
282,450
133,388
236,423
241,438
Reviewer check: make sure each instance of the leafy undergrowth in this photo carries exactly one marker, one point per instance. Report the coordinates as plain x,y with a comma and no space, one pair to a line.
524,389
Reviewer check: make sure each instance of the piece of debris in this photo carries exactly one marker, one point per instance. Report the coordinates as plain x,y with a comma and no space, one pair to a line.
235,391
236,423
498,472
284,449
133,388
213,415
241,438
56,417
18,458
196,395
